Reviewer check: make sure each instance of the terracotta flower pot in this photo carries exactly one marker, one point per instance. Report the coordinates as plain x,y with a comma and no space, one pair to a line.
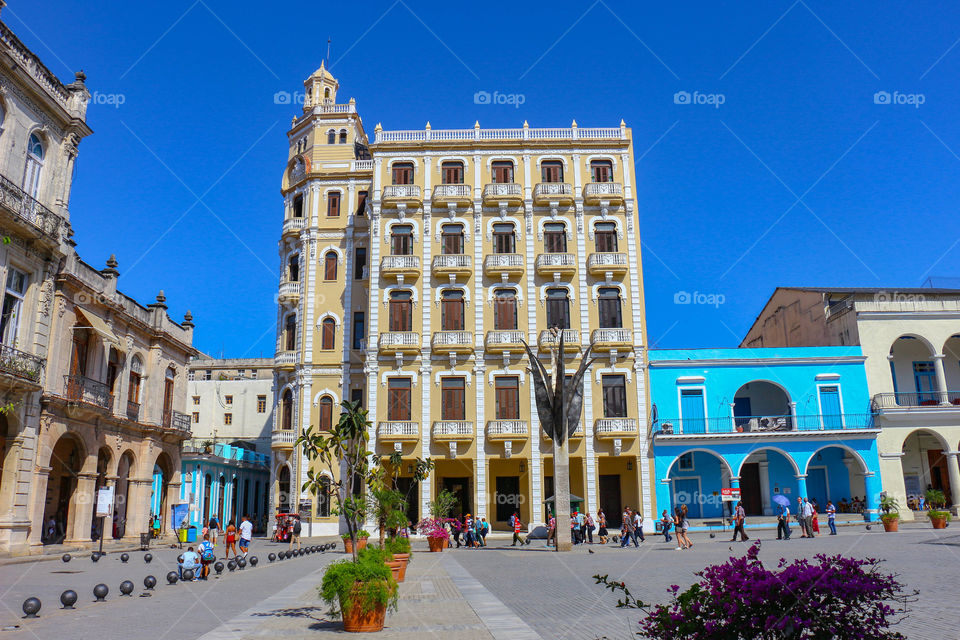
348,545
356,621
891,526
938,523
361,543
403,559
436,544
398,569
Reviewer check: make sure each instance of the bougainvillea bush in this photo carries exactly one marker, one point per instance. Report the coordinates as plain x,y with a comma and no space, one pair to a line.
827,597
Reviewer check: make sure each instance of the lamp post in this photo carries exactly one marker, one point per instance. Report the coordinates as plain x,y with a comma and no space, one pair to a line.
559,402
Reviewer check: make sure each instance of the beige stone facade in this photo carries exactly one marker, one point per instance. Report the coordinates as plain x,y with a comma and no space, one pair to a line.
415,265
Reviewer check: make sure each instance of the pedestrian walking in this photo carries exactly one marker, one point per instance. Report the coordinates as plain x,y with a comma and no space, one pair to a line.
602,530
484,530
468,531
552,531
805,517
455,529
581,527
638,527
831,518
783,523
517,528
666,522
815,520
295,533
683,524
231,540
214,526
628,530
739,516
246,534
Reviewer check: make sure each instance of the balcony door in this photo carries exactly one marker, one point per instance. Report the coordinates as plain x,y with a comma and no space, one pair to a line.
502,172
692,415
558,309
401,311
398,400
507,398
505,311
608,304
451,311
453,398
830,413
925,378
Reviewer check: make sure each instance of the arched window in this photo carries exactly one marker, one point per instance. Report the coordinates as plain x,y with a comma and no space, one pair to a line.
452,236
168,396
502,171
31,177
605,234
402,173
401,240
286,410
558,308
601,170
328,333
401,311
290,333
504,240
505,310
343,136
133,389
326,94
555,237
330,266
331,137
451,310
608,303
293,264
452,172
326,413
333,204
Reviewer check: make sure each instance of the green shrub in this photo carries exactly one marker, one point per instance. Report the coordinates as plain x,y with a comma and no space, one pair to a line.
940,514
397,544
368,577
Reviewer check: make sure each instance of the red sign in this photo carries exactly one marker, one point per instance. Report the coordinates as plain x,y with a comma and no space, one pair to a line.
730,495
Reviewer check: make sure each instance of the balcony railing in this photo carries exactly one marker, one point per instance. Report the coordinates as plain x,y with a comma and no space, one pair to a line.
503,191
763,424
907,400
286,358
507,428
400,263
401,192
399,339
571,338
293,225
452,338
82,389
402,430
452,192
283,439
546,189
289,289
547,260
615,425
620,336
600,260
458,261
602,189
503,260
525,133
231,452
497,340
452,428
176,420
133,411
28,209
20,364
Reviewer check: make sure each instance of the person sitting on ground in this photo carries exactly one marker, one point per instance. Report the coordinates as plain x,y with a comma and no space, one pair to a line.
207,556
189,560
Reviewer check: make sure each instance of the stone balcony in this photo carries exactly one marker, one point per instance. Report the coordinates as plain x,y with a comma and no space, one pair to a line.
503,265
452,431
293,226
604,264
610,193
289,292
286,360
553,193
504,342
394,342
506,193
499,430
25,213
447,265
611,339
615,428
400,267
445,342
556,265
571,340
283,439
398,431
402,196
445,195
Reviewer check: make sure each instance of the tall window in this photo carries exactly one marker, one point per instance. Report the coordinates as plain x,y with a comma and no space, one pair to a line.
601,171
451,311
507,397
323,508
558,309
555,237
331,137
293,265
359,263
398,399
298,206
359,330
286,410
453,399
361,202
12,306
502,171
261,404
330,266
401,311
605,234
504,240
402,173
608,303
136,376
228,419
614,396
356,396
31,177
328,333
505,313
343,136
452,172
401,240
290,333
113,368
326,413
551,171
452,236
168,396
333,204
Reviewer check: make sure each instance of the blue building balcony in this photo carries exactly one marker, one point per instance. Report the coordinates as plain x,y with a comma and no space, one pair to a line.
761,425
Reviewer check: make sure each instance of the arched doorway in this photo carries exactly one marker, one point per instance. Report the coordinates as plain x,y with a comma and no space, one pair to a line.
283,488
122,494
65,464
764,474
836,474
914,372
162,475
760,405
696,478
951,368
221,497
924,466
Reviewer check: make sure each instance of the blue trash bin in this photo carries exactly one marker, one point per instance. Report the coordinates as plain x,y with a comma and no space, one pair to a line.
192,534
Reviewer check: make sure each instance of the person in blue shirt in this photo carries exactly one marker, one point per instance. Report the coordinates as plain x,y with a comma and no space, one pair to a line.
189,560
207,556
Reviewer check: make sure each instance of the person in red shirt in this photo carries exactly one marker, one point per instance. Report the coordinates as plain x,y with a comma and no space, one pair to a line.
517,528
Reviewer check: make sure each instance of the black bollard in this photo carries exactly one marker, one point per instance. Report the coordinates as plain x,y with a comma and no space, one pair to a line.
68,598
65,557
187,575
218,567
149,582
124,557
126,588
271,557
231,565
242,563
147,557
30,607
254,560
95,556
101,591
172,577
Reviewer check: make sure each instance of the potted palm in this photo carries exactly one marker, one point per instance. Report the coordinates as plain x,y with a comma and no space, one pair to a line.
360,589
939,517
891,513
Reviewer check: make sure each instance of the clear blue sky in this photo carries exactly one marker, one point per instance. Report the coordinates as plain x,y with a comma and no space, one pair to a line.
798,178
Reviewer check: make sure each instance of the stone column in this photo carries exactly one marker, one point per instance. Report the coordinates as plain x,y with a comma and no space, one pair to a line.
953,471
801,486
765,501
83,499
734,484
941,383
138,508
41,477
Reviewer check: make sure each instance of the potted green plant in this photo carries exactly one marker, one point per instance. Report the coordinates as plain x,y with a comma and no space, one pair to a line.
399,548
360,591
387,503
939,516
891,513
361,538
362,588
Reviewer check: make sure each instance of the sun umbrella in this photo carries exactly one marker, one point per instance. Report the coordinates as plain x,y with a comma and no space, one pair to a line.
781,499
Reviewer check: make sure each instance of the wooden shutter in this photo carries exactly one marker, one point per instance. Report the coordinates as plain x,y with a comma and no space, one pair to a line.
452,312
453,399
614,396
508,398
326,413
329,334
505,314
330,266
398,399
333,204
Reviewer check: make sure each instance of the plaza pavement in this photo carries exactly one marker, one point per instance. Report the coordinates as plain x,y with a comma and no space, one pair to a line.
498,592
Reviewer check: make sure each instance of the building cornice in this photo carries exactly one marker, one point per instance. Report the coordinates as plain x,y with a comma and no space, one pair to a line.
755,362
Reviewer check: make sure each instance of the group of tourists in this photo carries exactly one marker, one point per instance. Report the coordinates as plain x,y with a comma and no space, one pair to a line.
806,518
474,531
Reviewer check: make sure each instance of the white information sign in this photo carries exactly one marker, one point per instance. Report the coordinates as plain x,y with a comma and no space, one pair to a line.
105,502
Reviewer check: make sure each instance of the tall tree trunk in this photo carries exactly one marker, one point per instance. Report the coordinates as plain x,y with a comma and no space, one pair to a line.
561,494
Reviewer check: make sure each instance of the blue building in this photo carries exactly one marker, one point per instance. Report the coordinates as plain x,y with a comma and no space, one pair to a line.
228,482
787,421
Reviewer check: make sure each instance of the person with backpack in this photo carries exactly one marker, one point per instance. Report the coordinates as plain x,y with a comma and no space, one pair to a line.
295,534
207,556
213,527
666,522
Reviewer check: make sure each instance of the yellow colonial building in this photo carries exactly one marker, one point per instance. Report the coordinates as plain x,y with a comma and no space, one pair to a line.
415,265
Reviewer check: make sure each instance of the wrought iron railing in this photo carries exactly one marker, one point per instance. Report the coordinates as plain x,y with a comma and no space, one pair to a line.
762,424
906,400
82,389
133,411
21,364
27,208
176,420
